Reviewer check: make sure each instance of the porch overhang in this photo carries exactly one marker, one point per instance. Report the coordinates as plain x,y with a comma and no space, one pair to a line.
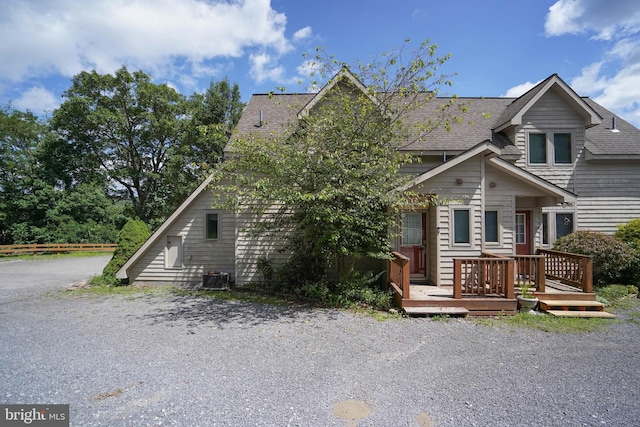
558,194
486,148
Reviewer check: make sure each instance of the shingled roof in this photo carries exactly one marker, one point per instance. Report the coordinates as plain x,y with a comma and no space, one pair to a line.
481,119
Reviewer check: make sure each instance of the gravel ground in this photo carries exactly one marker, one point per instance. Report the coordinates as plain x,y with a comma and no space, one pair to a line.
167,360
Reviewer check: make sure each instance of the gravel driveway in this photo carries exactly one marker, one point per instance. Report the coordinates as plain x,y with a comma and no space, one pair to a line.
167,360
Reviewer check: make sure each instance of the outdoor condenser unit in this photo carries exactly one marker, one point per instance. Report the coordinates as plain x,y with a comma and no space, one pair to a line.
215,280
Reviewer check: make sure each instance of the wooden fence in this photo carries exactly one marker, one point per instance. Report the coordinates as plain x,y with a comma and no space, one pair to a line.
37,248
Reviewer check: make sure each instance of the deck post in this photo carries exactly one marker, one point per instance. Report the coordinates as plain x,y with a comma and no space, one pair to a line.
587,275
510,292
540,274
406,279
457,279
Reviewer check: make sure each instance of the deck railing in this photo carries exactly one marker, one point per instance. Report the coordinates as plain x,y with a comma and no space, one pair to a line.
530,270
487,275
37,248
573,269
399,275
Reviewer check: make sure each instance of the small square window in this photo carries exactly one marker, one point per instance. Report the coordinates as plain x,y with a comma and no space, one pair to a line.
461,229
537,148
212,225
562,148
491,226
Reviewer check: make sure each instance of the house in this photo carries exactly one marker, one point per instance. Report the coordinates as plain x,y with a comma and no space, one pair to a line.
519,173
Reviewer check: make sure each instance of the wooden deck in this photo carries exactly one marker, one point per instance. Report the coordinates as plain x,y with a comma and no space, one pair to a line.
488,286
439,300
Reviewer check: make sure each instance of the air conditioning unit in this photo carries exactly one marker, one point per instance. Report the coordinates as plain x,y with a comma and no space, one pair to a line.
217,280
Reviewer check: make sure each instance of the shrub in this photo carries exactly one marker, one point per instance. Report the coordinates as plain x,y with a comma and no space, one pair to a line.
630,233
131,237
614,293
612,258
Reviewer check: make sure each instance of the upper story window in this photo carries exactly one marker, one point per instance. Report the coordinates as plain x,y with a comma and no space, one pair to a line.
550,148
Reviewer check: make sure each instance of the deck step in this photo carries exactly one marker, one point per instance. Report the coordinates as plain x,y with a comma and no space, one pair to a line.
581,305
574,313
575,296
436,311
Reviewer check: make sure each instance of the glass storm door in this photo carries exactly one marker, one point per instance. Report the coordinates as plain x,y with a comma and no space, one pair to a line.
413,240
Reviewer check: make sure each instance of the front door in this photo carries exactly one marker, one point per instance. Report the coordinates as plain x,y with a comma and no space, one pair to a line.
414,234
523,233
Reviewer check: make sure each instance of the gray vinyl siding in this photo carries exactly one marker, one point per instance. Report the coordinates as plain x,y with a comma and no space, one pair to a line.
200,255
608,194
465,194
250,247
552,114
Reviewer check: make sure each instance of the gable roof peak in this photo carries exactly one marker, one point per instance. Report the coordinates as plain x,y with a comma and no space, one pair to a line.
344,74
513,114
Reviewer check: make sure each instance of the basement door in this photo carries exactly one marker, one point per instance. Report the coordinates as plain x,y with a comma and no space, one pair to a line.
414,236
173,252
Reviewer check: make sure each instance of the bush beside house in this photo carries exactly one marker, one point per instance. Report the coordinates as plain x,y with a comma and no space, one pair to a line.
131,237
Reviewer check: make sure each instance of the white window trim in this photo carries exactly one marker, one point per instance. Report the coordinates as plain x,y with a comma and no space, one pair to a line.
499,219
453,226
548,244
206,223
551,217
550,160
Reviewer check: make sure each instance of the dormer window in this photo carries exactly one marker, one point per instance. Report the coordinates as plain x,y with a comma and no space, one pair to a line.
538,148
554,148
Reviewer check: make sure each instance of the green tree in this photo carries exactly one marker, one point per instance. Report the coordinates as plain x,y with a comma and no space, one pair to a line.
40,201
213,116
125,126
150,143
24,196
332,180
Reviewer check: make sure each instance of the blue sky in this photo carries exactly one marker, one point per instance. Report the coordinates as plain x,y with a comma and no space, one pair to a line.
498,47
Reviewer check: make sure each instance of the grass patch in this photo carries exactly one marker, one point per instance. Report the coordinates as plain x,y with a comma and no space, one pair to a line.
379,315
548,323
106,291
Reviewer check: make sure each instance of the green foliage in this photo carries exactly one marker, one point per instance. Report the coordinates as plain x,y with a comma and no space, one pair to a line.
548,323
330,180
151,144
612,258
356,289
630,233
613,293
131,237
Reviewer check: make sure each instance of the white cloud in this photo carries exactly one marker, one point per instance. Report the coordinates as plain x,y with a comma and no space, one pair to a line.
520,89
589,81
613,81
67,36
37,100
303,33
264,68
606,19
